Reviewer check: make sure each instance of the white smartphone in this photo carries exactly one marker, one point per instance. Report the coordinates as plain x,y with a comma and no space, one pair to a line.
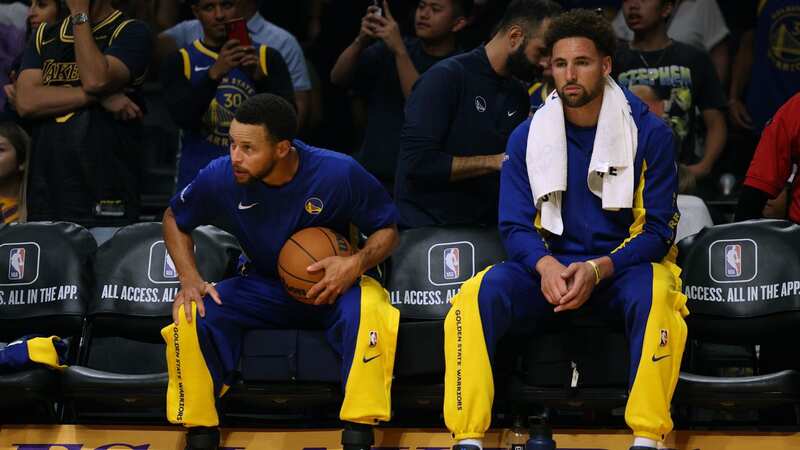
377,4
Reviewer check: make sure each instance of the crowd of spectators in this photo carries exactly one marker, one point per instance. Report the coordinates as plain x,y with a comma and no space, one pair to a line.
421,92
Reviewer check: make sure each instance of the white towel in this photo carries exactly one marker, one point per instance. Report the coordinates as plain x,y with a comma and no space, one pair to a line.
611,168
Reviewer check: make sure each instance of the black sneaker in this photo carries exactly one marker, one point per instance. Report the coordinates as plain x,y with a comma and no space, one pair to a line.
466,447
356,436
202,438
640,447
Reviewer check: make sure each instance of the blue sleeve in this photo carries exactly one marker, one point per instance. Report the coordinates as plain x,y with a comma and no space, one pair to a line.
199,202
657,190
517,212
429,111
132,44
372,208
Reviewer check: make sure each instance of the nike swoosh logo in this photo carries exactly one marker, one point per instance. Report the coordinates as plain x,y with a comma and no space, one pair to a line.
200,69
511,113
366,360
48,41
241,206
660,358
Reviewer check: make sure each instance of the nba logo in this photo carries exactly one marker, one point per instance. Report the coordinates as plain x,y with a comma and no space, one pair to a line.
169,267
16,264
451,260
733,260
373,338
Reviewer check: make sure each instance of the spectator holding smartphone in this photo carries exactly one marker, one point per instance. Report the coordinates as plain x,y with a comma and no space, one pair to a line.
382,67
263,32
205,82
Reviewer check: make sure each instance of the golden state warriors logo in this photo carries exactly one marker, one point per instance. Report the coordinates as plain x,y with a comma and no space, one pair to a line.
314,206
784,39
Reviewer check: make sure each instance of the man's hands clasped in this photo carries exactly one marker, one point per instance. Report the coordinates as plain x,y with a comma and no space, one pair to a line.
566,287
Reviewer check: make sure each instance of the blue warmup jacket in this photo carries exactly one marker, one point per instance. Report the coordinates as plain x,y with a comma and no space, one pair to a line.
643,233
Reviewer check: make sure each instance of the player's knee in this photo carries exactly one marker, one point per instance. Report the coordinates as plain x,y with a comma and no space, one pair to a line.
497,280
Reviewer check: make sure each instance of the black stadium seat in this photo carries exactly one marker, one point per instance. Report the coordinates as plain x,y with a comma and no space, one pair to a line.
121,374
742,283
421,285
43,291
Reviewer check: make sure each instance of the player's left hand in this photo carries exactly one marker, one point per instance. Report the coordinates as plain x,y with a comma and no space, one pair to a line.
249,63
78,6
580,278
341,272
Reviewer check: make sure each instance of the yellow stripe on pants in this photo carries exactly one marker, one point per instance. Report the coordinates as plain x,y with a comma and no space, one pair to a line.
468,380
190,392
367,394
648,408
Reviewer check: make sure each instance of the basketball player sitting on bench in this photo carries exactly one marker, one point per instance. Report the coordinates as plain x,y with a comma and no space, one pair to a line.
267,189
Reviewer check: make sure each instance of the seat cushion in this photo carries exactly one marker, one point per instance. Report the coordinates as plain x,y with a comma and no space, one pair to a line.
24,383
759,391
79,378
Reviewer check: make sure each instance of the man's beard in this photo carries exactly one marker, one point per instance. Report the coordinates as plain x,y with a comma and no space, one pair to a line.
258,176
520,66
583,99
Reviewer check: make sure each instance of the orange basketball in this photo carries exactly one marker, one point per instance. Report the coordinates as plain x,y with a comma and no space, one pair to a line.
304,248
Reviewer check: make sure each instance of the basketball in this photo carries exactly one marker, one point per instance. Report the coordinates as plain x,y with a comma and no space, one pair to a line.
304,248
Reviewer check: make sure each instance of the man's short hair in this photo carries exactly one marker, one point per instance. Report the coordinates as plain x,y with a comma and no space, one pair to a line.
463,7
272,112
528,14
586,24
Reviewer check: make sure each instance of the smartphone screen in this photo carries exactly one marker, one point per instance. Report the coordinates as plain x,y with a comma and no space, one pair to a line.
237,29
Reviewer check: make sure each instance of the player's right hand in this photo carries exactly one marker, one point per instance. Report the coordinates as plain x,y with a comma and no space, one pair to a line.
554,287
193,291
230,56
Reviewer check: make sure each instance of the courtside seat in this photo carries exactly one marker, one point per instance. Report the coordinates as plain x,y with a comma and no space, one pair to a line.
425,272
742,283
574,364
121,375
44,287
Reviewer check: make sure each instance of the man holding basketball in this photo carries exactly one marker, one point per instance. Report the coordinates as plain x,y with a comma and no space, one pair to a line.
267,189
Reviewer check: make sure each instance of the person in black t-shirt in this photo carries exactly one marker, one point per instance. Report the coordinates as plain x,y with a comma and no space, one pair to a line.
683,78
79,79
384,72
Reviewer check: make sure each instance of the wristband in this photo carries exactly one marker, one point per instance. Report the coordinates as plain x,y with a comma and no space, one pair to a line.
596,272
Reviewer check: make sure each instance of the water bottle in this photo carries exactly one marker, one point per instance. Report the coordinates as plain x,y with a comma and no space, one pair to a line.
726,184
517,436
541,438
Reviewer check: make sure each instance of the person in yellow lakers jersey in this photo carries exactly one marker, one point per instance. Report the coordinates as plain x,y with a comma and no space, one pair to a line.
606,240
